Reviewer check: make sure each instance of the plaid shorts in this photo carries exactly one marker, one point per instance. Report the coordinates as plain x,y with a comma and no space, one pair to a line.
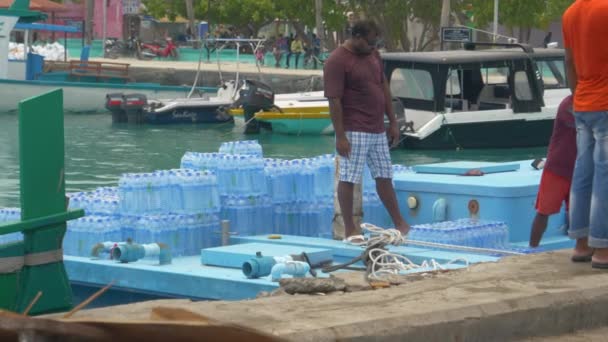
370,148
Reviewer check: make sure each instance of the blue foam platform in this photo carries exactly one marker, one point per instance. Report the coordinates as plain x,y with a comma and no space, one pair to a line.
184,278
343,251
235,255
462,167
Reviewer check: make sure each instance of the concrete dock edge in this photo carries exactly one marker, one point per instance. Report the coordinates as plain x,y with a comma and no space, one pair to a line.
514,299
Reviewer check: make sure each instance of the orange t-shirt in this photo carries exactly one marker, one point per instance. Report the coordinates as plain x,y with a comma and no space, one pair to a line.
585,29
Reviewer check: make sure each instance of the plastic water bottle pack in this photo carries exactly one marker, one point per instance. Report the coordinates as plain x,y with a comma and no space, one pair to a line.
241,174
165,191
185,234
280,179
199,192
463,232
312,219
248,215
251,147
10,215
102,201
201,161
324,170
84,233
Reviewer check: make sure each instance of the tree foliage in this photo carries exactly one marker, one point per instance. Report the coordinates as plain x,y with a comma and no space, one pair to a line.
409,25
519,15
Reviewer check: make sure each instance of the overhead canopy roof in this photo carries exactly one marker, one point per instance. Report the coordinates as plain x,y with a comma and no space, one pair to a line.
469,56
38,5
23,9
47,27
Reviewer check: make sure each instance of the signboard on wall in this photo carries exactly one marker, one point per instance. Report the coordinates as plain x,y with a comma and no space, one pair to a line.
131,6
455,34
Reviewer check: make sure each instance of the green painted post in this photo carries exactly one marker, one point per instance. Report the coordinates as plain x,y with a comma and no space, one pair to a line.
43,211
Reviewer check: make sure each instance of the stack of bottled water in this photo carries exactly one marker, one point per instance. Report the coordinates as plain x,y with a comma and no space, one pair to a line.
185,234
86,232
302,193
280,180
178,207
10,215
201,161
102,201
324,173
251,147
304,218
241,174
463,232
248,215
181,190
199,192
182,207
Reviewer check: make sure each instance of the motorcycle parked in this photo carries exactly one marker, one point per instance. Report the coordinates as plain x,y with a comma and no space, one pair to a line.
116,48
152,50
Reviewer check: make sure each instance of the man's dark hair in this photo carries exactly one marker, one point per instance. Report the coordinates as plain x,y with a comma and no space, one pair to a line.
362,28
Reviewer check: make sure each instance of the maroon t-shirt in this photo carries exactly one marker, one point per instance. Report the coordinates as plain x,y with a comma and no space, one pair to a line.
358,81
562,147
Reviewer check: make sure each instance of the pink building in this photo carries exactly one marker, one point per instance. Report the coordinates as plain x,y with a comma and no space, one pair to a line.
118,14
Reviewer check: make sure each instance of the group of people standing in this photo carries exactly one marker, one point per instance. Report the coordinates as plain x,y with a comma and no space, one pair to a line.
295,46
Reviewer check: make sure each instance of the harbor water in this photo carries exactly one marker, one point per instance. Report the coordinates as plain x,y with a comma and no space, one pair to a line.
98,152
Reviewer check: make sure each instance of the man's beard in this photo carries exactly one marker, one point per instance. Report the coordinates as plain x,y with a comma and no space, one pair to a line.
359,51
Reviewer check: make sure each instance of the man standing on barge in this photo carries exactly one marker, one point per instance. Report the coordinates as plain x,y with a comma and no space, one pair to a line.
359,96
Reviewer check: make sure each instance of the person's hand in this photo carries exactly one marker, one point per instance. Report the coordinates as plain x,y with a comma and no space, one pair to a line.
343,147
394,136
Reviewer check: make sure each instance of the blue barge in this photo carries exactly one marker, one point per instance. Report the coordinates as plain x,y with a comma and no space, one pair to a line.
429,193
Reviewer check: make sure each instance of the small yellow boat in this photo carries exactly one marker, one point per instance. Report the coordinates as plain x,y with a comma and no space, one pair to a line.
310,118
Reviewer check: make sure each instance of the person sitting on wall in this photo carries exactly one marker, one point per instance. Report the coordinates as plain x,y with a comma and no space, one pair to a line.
557,172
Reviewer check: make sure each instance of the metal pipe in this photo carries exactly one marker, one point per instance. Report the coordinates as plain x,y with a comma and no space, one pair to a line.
495,30
104,27
462,248
225,232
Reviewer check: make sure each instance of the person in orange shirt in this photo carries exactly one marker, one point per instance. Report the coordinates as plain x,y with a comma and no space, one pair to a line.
584,28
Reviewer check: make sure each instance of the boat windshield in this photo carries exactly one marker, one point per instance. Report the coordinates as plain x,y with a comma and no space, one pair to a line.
552,73
412,84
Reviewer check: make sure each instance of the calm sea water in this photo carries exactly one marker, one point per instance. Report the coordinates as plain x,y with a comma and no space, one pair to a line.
97,152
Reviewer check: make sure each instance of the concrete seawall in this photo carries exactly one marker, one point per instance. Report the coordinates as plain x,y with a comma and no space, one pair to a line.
183,73
514,299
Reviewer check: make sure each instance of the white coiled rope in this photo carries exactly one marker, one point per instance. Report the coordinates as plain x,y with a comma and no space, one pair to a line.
385,263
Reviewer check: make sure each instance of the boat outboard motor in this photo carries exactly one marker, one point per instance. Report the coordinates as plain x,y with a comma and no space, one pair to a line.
114,105
254,97
133,105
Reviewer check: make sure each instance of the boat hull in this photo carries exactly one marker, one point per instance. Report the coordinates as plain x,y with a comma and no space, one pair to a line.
486,134
189,115
298,123
81,97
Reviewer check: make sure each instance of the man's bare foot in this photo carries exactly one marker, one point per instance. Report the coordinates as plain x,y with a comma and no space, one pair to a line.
582,251
600,255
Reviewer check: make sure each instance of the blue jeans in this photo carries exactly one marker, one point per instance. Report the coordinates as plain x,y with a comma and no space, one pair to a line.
589,192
